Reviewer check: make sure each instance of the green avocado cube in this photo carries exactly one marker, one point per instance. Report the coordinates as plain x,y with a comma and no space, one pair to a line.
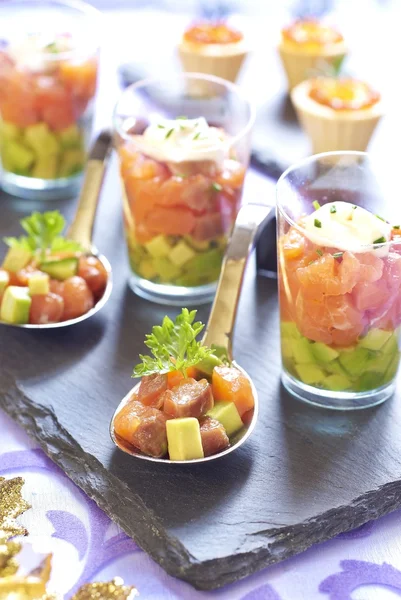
393,368
184,439
158,247
198,245
289,330
16,259
323,353
4,280
39,283
208,364
302,351
146,269
71,163
355,362
9,131
227,414
375,339
72,137
41,140
60,269
181,254
390,347
15,305
45,167
337,383
287,347
380,363
17,157
369,381
165,269
204,262
334,368
310,374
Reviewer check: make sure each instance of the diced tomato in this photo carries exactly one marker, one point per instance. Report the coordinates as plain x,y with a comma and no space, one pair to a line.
232,175
57,287
78,299
230,385
46,308
190,398
79,78
151,389
213,435
142,426
92,270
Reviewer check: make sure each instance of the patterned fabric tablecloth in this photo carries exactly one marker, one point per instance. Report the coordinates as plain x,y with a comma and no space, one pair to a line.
361,565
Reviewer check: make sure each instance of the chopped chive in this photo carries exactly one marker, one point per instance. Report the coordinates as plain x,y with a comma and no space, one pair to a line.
319,252
170,131
338,254
396,226
354,207
317,223
181,175
182,118
216,186
380,240
197,135
160,126
381,218
316,205
333,209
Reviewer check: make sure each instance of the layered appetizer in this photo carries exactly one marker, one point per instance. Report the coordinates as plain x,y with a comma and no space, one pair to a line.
190,403
307,47
45,90
340,286
337,113
46,278
214,49
182,187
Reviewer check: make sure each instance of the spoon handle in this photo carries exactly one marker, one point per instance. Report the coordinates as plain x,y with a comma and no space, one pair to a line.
82,226
222,316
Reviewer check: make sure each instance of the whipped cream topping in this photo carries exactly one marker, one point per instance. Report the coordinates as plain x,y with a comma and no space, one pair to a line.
348,228
34,50
180,140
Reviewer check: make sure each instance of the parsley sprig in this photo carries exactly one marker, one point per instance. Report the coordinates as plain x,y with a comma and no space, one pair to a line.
43,234
173,346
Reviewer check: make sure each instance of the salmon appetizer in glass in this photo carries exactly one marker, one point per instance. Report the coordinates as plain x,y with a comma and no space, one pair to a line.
46,278
190,402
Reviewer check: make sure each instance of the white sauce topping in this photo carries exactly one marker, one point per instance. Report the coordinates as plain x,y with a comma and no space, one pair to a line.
180,140
34,50
346,227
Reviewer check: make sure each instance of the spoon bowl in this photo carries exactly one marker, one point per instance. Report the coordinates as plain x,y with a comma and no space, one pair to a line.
82,226
220,326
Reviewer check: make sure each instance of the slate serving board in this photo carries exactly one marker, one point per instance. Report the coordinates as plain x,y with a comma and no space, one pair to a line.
304,476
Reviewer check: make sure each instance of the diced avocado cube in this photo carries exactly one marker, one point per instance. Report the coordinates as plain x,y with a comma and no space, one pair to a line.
60,269
184,439
17,157
393,368
355,362
380,362
181,254
190,279
4,280
323,353
369,381
71,163
390,347
158,247
227,414
15,305
42,140
165,269
208,364
9,131
335,368
288,329
200,246
16,259
45,167
146,269
204,262
310,374
375,339
287,347
71,137
337,383
39,283
302,352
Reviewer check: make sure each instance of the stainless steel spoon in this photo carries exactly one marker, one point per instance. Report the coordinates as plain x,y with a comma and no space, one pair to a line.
219,329
81,228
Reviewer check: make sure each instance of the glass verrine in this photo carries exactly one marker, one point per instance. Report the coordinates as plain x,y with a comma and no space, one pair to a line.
339,258
183,145
48,74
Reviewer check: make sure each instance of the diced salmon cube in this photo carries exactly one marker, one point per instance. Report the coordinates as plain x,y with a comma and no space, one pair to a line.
151,390
230,385
213,436
143,427
190,398
175,377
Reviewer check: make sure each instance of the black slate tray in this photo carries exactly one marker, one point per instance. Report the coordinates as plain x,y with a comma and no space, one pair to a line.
304,476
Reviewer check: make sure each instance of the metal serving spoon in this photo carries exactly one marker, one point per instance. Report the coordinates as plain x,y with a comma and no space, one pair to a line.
219,329
81,227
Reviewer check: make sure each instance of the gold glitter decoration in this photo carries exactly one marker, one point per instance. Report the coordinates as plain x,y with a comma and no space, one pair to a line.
112,590
12,505
31,587
8,565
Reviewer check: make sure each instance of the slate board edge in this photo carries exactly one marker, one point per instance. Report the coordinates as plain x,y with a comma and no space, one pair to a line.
278,544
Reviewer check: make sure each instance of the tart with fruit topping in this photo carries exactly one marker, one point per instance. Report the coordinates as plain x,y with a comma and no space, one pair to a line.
308,46
213,48
337,114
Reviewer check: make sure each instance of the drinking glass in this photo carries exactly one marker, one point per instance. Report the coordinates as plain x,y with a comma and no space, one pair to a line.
48,73
340,301
178,212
